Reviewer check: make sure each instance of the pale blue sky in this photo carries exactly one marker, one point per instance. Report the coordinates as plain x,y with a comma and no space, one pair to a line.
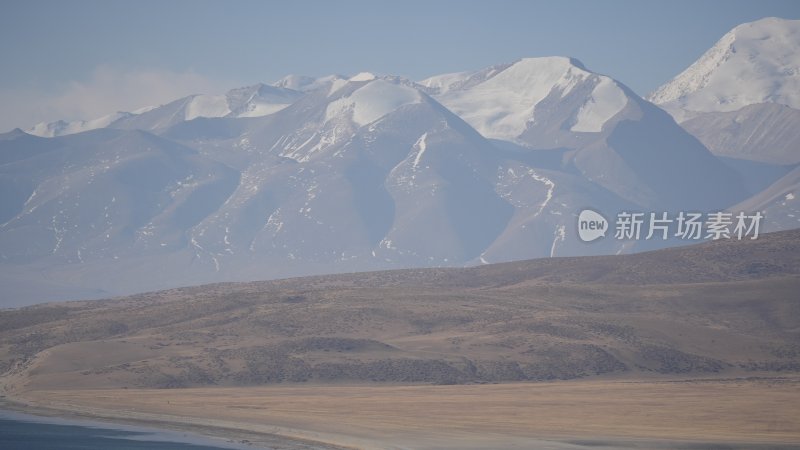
81,58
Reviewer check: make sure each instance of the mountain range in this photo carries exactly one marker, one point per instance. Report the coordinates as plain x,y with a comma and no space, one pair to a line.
341,174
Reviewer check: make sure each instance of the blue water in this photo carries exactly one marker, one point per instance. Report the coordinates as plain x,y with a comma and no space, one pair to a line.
24,432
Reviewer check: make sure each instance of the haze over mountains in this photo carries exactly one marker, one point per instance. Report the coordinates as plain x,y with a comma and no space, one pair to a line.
337,174
725,308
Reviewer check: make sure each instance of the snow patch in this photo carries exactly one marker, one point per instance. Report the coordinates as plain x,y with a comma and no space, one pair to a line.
421,146
550,188
560,235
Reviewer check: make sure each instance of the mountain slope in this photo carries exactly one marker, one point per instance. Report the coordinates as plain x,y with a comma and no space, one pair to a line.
725,308
764,132
778,202
103,195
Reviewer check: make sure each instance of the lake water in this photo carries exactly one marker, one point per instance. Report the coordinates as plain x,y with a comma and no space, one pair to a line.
24,432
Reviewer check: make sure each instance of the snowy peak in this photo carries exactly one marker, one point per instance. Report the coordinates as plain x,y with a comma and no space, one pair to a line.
250,101
60,128
259,100
521,74
372,101
308,84
756,62
501,101
324,123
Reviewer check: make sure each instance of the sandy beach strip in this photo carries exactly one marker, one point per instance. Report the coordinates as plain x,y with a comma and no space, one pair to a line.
736,413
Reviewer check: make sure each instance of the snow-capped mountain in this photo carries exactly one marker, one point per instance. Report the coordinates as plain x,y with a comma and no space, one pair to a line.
608,134
756,62
375,173
501,101
742,100
337,174
742,97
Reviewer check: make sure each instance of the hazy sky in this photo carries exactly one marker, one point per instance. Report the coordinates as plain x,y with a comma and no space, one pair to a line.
84,59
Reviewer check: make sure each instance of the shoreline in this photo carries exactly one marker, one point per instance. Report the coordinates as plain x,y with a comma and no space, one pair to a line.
133,432
208,432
